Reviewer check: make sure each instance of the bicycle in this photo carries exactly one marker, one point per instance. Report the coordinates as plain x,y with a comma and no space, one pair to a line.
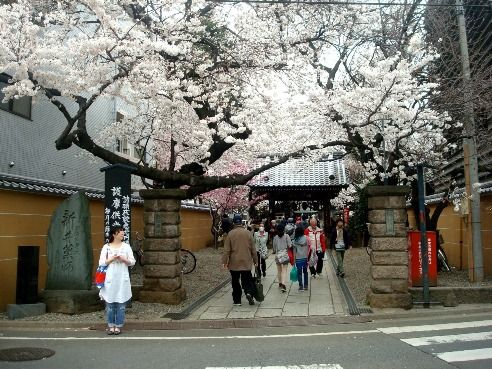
188,259
442,261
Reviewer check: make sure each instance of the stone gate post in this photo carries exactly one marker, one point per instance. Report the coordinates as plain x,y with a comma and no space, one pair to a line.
389,257
162,280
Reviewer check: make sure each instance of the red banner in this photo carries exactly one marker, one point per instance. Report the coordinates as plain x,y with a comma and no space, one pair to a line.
415,259
346,216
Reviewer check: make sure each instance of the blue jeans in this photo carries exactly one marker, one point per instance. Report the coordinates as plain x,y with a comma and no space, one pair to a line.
301,265
115,314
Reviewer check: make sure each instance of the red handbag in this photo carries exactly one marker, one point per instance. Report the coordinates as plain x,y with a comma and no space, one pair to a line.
290,251
100,276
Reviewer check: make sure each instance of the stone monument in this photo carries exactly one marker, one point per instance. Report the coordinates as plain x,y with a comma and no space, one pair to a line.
69,246
69,251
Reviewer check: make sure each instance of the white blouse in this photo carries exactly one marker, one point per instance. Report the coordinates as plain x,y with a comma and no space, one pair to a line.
117,287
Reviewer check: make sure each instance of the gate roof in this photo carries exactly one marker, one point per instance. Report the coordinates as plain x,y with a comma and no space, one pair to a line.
298,180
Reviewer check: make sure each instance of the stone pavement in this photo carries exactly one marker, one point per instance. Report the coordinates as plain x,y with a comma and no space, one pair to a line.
324,298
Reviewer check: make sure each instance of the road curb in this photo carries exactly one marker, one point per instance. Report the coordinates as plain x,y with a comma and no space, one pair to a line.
415,313
194,324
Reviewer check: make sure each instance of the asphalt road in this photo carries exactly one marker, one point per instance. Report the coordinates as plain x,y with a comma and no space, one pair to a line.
434,343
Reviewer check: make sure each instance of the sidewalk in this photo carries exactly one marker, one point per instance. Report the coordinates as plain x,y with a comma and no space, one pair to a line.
324,298
323,304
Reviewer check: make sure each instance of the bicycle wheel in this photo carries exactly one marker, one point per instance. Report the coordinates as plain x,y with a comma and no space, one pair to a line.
141,258
443,261
188,261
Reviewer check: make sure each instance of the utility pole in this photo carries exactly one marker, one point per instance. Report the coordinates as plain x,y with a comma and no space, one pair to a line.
423,235
470,150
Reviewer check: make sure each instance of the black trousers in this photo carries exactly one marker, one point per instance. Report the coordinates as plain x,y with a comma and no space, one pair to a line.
319,264
261,265
246,282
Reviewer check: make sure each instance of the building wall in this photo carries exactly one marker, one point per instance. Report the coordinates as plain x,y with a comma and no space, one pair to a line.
30,144
25,218
195,229
456,231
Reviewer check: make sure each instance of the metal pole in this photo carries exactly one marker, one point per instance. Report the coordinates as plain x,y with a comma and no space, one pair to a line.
385,164
470,149
423,235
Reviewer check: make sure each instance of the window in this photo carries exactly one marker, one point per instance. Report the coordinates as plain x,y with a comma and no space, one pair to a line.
134,151
122,146
20,106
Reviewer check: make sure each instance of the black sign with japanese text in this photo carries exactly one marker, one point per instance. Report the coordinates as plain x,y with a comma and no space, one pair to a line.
117,199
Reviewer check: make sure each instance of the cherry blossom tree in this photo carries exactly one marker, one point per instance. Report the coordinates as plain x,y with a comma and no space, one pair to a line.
207,84
223,201
370,92
185,77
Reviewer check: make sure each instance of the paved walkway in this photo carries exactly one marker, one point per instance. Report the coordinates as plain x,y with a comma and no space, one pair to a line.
323,298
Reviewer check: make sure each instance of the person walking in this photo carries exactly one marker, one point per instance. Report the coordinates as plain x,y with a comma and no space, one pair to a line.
261,239
281,242
273,230
290,227
301,254
340,242
226,224
317,244
117,291
239,255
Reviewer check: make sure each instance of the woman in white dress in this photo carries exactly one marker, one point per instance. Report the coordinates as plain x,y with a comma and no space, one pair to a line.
117,290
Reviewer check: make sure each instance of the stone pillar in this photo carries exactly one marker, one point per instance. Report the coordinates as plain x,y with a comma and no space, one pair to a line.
162,280
389,257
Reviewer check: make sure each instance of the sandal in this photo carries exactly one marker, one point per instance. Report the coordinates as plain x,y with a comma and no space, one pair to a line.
110,331
117,331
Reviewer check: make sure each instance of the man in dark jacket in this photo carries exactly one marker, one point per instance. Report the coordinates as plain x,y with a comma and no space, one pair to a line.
340,242
226,224
239,256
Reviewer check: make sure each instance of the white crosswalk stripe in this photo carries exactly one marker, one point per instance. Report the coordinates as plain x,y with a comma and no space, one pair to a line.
466,355
437,342
312,366
436,327
467,337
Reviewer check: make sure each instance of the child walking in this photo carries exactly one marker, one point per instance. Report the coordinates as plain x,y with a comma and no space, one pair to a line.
301,253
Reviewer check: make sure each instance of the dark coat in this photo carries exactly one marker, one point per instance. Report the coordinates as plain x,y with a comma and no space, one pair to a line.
226,225
346,239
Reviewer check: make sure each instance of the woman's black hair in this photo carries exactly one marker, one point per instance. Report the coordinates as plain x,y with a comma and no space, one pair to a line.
114,230
280,229
299,232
